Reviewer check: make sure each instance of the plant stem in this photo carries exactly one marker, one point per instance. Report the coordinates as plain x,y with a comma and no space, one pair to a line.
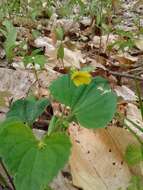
136,136
37,79
3,181
100,46
107,40
8,175
135,125
139,96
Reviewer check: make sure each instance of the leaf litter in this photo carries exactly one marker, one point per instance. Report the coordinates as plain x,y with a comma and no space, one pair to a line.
84,52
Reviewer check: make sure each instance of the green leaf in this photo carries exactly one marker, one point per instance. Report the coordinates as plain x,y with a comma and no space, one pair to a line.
10,34
28,110
35,34
52,124
60,52
93,105
3,32
133,154
36,51
59,33
48,188
136,183
40,60
27,60
49,11
35,58
32,163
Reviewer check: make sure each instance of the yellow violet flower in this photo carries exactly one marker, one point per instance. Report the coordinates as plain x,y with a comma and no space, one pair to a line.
81,77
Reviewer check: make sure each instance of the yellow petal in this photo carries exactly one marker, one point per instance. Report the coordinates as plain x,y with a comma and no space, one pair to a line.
81,77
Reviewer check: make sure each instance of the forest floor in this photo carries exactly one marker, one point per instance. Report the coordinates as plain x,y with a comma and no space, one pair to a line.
84,46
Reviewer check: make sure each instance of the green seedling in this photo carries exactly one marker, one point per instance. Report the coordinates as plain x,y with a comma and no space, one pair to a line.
34,162
36,57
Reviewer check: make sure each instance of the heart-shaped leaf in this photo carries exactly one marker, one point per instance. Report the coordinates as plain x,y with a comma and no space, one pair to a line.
93,105
33,163
28,110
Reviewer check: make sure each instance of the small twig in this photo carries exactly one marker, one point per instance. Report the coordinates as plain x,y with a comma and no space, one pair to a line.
8,175
125,75
137,69
37,78
139,72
